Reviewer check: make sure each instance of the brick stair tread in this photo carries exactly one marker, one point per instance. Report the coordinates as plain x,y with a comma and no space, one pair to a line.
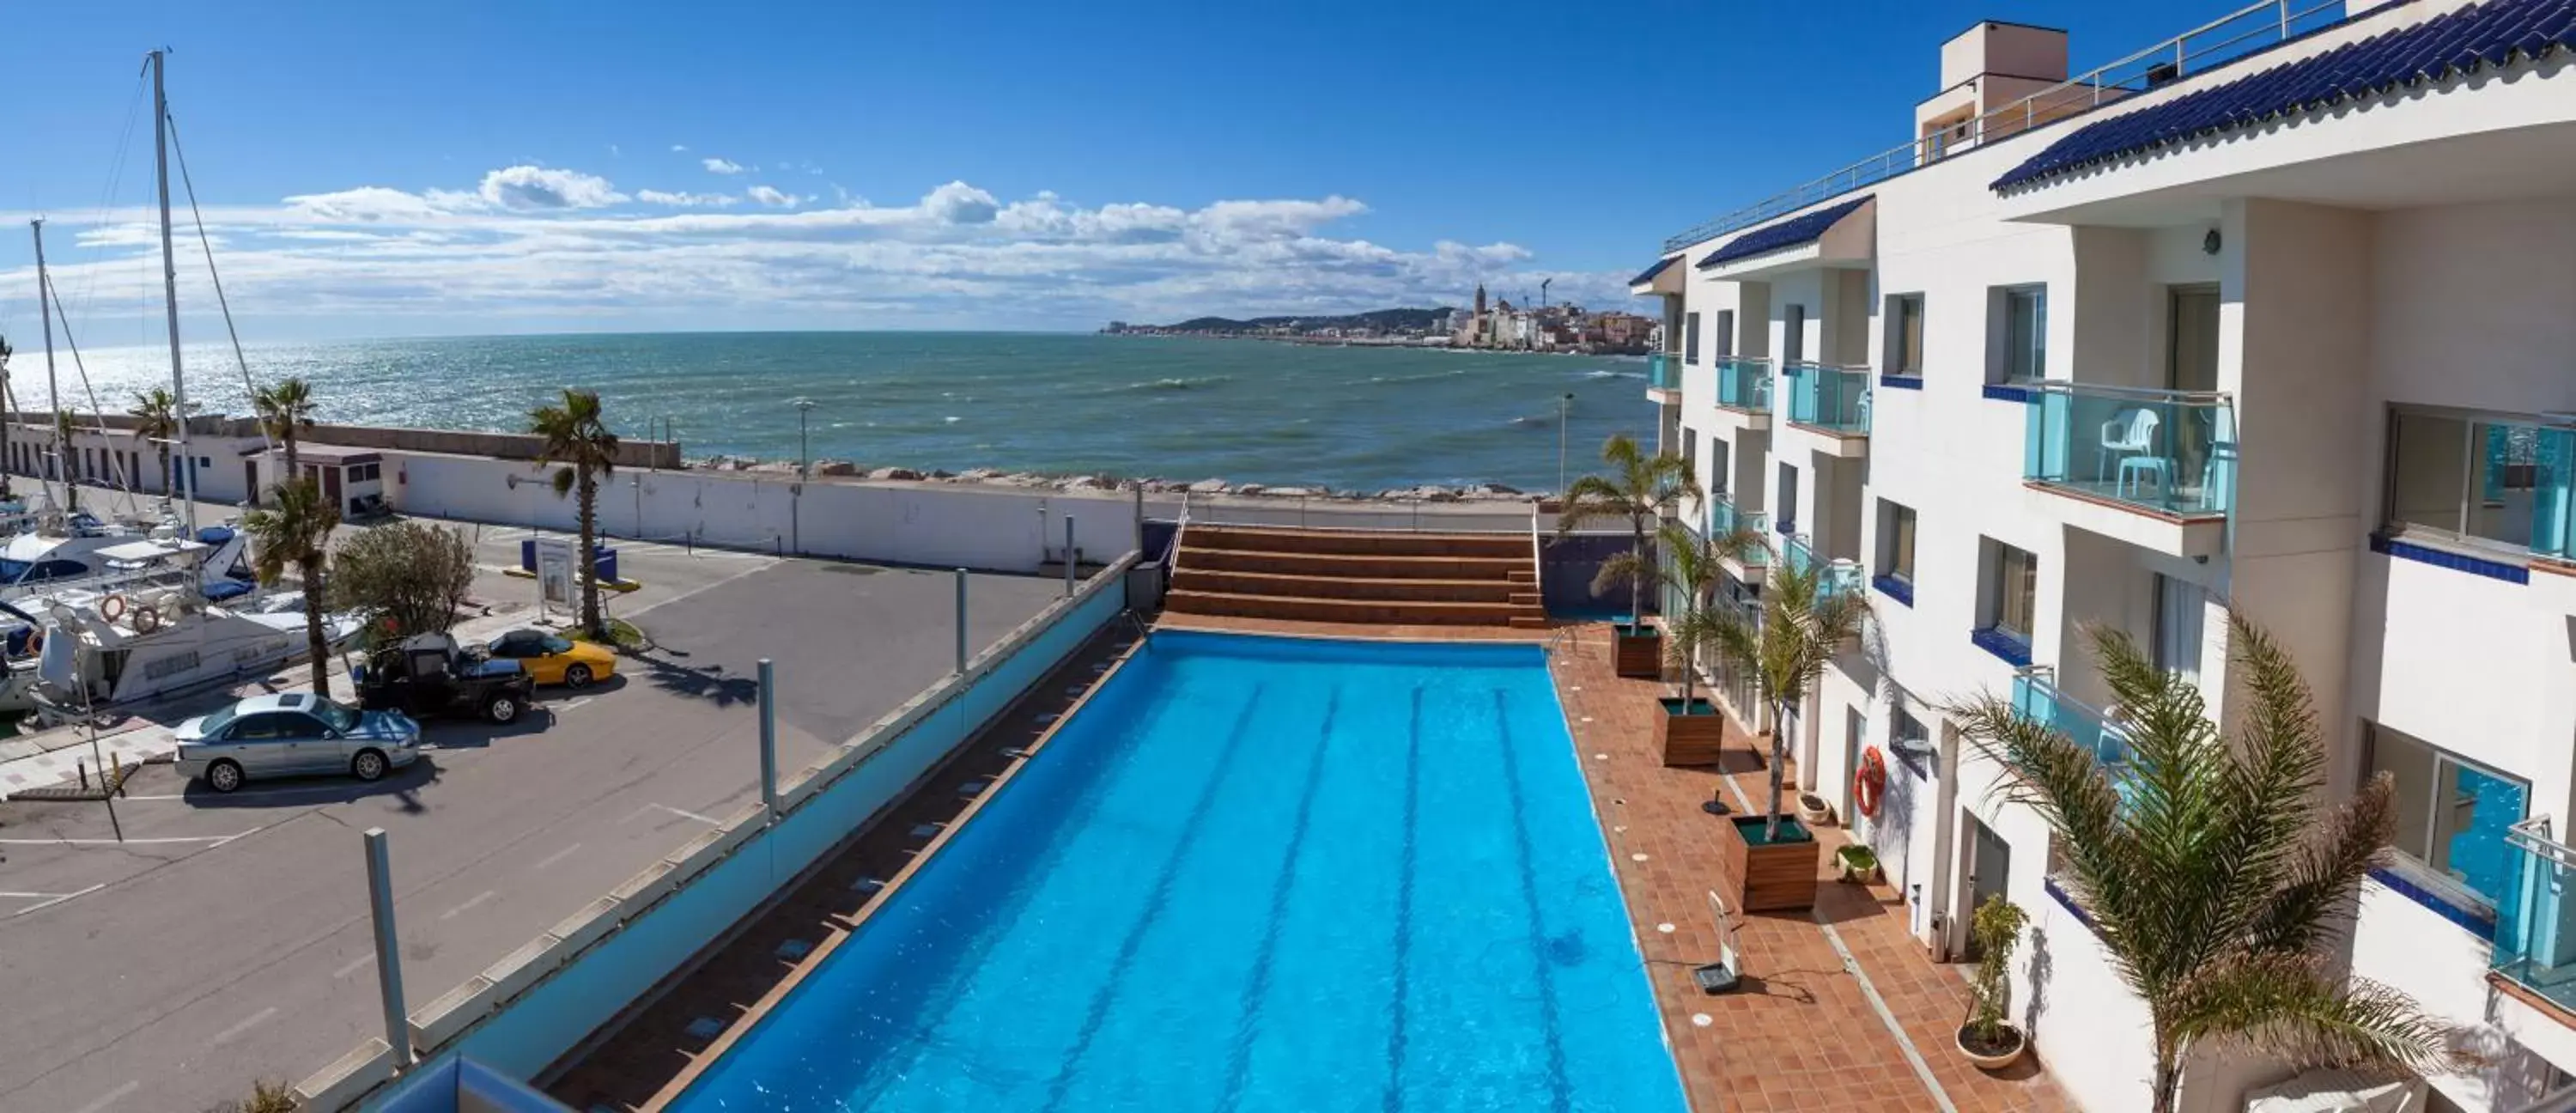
1405,560
1300,579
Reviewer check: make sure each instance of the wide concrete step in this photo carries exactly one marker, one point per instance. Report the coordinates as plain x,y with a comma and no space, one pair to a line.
1371,542
1396,588
1372,611
1368,566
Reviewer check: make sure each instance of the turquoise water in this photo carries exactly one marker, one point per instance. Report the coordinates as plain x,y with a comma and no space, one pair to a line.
1246,411
1252,874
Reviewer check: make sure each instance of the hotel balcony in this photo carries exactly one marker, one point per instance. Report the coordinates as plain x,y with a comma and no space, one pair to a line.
1832,402
1744,392
2533,964
1833,577
2035,697
1725,518
2154,468
1664,378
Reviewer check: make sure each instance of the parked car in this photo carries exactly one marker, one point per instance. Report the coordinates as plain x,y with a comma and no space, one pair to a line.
293,734
429,674
554,660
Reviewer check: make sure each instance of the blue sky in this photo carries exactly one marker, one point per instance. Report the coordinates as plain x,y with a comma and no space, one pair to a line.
486,167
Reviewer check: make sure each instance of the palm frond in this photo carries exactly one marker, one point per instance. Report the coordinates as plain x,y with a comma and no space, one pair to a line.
1621,570
2319,881
2291,1007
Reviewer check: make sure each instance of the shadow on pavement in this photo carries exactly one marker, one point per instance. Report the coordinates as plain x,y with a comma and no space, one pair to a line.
402,784
709,683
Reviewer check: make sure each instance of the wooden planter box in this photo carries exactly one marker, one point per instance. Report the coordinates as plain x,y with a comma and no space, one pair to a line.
1637,651
1689,737
1771,877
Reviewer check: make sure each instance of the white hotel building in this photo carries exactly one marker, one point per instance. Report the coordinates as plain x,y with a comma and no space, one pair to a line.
2280,316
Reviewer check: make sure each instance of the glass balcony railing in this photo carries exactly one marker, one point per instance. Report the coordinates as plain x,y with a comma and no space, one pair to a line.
1829,397
2553,489
2535,933
1664,371
1744,384
1833,577
2035,697
2172,452
1723,518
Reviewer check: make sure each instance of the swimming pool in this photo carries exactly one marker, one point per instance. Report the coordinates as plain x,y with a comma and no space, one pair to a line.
1256,874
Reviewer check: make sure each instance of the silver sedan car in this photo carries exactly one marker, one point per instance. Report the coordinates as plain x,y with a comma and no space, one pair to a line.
290,735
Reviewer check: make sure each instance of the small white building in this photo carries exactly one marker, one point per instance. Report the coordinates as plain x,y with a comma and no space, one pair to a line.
2293,331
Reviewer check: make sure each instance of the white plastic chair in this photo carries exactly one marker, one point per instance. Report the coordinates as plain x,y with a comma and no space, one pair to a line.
2132,435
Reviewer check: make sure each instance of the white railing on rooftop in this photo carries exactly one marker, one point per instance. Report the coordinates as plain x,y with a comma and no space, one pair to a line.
2202,48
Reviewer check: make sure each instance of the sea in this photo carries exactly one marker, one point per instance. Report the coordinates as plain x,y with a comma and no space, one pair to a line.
1245,411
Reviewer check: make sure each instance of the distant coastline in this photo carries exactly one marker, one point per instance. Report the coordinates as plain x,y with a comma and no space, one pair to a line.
1495,327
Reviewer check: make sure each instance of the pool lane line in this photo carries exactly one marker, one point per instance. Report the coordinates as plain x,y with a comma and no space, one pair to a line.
840,928
1560,1089
1238,1067
1393,1098
1156,898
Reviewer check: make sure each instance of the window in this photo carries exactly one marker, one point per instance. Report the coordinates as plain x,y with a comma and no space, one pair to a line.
2477,478
1793,334
2017,334
1690,338
341,718
1909,740
1718,465
2451,813
1896,542
1786,514
2179,604
1725,333
1905,335
257,728
2012,592
1690,449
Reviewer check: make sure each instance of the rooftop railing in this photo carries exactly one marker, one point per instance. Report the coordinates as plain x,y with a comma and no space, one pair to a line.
1744,383
1828,397
2202,48
2167,451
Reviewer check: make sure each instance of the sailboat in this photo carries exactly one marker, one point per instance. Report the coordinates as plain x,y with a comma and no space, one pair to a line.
164,620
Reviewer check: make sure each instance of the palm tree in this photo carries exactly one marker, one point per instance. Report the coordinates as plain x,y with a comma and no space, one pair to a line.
2212,867
1800,627
156,419
294,533
285,409
575,435
1695,573
1640,489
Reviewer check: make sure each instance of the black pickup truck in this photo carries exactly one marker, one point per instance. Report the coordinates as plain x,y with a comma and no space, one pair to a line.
427,674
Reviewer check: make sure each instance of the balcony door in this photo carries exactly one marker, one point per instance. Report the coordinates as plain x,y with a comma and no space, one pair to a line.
2191,354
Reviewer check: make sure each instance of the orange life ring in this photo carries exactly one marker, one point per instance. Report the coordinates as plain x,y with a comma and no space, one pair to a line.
112,608
1869,782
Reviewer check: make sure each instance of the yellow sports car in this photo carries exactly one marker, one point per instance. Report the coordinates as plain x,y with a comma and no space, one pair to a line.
553,660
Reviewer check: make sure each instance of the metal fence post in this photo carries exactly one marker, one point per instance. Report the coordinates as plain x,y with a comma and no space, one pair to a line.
1140,517
768,741
380,898
961,622
1068,556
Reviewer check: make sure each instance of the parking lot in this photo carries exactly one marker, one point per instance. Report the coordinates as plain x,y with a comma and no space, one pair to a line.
225,939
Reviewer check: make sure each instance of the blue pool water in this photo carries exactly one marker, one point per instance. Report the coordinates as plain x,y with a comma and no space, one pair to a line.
1252,874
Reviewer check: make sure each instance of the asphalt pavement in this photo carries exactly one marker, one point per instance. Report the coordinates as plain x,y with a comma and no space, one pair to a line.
225,939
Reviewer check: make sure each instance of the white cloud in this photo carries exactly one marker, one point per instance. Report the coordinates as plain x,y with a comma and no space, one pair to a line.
959,203
548,247
527,188
679,148
686,200
613,152
720,165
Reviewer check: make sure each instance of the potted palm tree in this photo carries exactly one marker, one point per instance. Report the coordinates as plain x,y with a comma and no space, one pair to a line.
1691,730
1988,1041
292,533
576,436
1639,490
2213,868
1784,649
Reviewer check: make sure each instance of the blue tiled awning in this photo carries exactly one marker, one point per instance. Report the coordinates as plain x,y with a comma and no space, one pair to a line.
1648,275
1788,233
2464,41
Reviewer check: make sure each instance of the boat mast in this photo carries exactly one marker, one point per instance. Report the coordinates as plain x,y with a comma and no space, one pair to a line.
170,288
53,386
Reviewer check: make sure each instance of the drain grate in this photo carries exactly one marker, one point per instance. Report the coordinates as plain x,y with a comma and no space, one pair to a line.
705,1028
927,830
794,950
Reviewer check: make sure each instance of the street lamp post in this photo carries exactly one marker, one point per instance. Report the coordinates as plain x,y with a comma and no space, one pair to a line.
1564,407
804,453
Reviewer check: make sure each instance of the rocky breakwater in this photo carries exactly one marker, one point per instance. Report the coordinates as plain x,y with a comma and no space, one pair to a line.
1021,480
